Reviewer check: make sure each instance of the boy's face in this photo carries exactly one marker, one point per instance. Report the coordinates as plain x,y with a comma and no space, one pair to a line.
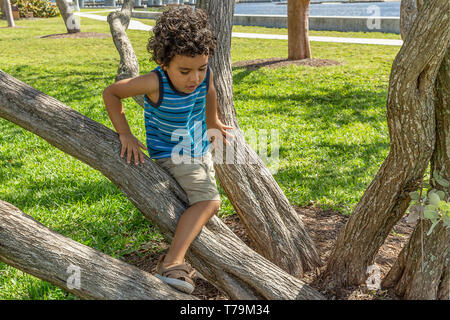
187,73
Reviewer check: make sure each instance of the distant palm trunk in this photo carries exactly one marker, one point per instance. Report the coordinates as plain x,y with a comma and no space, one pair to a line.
298,40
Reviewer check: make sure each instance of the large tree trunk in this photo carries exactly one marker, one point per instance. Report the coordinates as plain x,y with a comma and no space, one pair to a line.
298,28
272,224
407,276
8,13
33,248
70,20
411,121
219,255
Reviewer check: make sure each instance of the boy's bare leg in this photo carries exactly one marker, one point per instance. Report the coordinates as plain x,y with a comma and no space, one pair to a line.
189,226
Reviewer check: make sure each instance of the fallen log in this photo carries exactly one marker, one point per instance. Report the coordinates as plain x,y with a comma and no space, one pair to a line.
33,248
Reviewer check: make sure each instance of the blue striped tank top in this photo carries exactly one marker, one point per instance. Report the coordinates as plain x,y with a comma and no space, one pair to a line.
176,123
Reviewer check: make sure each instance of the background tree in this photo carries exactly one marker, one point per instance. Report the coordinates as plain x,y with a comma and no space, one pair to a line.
298,28
70,20
6,7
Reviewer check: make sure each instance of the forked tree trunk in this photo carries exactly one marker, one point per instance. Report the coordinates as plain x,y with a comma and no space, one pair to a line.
411,121
70,20
219,255
298,29
273,226
33,248
407,276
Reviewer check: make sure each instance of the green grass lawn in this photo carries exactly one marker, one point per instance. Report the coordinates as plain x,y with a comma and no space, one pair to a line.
331,121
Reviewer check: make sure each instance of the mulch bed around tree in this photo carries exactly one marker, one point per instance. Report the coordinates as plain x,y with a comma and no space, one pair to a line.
77,35
323,226
281,62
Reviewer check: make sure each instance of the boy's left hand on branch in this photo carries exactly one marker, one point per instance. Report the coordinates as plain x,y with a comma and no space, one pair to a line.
217,129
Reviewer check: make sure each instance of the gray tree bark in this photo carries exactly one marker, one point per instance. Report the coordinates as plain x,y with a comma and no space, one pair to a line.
8,13
412,130
406,276
217,253
33,248
70,20
272,224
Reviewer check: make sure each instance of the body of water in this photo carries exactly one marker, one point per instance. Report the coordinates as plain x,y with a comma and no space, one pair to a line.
381,9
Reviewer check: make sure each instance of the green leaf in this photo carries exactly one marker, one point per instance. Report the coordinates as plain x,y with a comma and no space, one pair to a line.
431,207
430,214
444,206
436,174
433,198
432,227
446,221
441,194
440,180
414,195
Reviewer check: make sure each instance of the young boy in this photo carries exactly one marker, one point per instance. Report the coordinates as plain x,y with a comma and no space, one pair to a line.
180,103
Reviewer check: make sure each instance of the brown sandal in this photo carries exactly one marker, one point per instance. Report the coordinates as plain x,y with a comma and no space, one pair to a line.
179,276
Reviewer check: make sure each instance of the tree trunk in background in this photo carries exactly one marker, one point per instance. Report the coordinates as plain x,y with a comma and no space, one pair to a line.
8,13
217,253
220,14
298,27
71,21
83,271
118,24
272,224
76,5
412,131
406,275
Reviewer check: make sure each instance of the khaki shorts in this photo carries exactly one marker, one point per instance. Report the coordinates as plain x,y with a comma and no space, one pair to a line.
196,176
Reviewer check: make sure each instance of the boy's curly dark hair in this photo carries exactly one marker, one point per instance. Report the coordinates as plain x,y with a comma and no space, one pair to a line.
183,31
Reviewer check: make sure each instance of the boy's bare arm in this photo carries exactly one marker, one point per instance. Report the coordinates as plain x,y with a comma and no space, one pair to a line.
211,103
112,97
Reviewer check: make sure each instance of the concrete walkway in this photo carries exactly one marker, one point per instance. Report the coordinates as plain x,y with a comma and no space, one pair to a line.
137,25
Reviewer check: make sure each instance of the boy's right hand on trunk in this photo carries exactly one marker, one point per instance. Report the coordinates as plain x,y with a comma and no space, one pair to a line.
132,146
